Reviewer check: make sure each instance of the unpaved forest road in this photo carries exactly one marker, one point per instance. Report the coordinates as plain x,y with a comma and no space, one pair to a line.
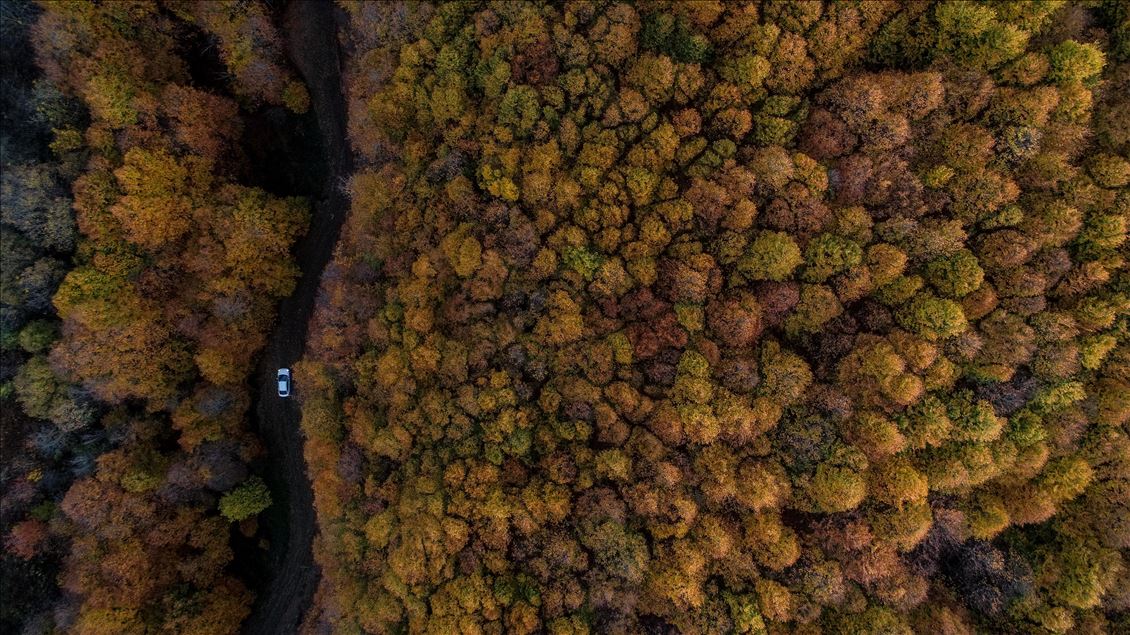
310,29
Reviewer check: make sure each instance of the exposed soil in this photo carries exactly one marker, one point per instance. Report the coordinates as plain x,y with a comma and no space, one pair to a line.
310,29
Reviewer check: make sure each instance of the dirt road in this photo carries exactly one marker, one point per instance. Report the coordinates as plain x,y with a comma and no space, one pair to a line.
310,28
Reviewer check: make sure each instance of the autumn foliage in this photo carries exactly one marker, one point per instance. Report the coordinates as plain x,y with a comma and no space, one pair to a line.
727,317
789,316
145,339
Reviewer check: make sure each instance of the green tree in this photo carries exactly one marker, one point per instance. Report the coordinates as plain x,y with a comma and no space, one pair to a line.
519,109
770,256
837,488
970,34
246,500
38,335
932,318
829,254
956,275
1072,61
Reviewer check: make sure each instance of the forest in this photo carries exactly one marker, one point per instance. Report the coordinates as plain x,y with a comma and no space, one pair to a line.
140,274
664,316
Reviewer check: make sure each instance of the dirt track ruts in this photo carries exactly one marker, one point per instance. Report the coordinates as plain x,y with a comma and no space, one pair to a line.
310,30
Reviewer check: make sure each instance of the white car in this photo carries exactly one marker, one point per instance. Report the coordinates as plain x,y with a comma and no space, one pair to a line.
284,382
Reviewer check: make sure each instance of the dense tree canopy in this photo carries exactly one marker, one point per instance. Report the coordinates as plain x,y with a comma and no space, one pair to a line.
140,276
727,317
647,317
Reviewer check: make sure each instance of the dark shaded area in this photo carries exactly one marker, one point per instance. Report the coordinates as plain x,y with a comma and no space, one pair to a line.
284,152
20,139
1009,396
202,53
249,559
27,587
27,584
310,29
986,577
655,625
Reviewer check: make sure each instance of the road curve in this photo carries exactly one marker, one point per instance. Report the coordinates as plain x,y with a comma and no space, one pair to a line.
310,29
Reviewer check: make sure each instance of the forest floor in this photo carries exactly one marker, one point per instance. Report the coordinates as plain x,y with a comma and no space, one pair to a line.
311,40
